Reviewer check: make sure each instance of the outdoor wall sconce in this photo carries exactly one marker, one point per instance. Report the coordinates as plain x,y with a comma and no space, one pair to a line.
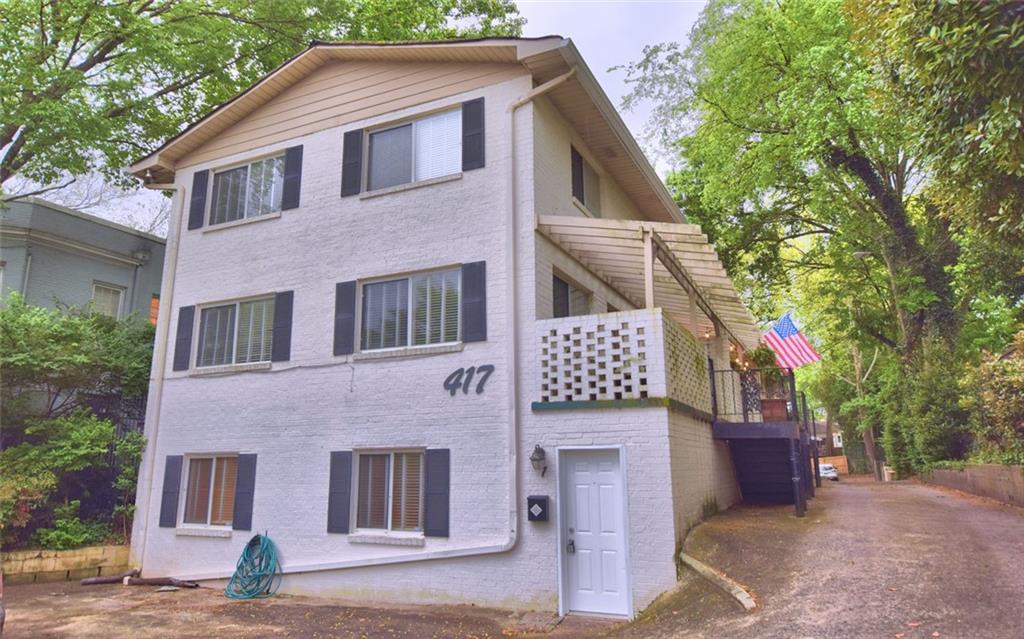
537,458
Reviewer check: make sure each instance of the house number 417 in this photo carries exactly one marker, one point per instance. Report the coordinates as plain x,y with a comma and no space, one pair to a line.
463,378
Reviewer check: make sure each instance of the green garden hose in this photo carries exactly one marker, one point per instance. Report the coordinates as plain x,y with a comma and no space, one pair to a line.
257,574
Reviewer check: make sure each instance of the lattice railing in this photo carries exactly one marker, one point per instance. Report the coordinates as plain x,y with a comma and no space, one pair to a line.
626,355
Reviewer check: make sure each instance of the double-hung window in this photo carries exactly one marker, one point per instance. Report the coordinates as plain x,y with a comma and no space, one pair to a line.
210,492
419,310
106,299
236,333
426,148
390,491
248,191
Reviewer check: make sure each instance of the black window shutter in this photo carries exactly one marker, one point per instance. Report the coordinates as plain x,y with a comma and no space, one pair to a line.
281,345
197,203
437,462
171,488
345,318
473,134
292,178
577,175
183,339
339,492
474,302
352,163
245,488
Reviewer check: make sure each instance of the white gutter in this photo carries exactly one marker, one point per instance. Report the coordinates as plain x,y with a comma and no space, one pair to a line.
156,380
511,231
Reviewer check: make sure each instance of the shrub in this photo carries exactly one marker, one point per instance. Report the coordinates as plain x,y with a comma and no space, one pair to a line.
69,531
994,393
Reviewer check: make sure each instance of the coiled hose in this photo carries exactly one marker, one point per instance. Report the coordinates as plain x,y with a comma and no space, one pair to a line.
257,574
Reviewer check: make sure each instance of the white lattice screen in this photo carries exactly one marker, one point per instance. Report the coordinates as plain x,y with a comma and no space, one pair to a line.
622,355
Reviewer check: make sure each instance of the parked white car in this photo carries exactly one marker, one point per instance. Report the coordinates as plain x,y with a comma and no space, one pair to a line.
828,471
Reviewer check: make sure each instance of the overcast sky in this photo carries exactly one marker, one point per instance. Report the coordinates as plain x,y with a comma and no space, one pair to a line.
606,32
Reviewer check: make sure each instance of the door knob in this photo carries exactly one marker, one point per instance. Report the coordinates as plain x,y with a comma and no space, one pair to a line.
571,547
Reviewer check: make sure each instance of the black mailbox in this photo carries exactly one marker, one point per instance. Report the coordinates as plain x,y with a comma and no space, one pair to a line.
537,508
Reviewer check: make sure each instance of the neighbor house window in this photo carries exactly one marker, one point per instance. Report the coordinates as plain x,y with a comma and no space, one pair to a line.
568,300
248,191
237,333
585,185
106,299
390,491
210,493
426,148
419,310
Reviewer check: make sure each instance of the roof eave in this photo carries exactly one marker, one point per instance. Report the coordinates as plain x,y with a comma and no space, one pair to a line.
600,98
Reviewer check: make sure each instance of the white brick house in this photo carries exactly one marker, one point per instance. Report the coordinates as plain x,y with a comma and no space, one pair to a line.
394,273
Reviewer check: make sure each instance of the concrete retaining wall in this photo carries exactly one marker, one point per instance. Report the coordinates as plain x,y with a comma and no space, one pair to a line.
28,566
996,481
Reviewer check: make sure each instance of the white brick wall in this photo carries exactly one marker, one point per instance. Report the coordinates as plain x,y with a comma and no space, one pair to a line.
293,415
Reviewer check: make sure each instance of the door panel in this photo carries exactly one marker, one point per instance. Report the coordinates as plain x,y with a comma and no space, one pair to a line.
592,535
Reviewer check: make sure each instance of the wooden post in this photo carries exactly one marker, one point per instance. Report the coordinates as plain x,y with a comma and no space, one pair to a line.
648,268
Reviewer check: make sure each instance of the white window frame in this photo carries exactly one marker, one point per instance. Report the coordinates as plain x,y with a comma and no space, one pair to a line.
248,162
111,287
411,310
213,478
390,452
198,324
395,125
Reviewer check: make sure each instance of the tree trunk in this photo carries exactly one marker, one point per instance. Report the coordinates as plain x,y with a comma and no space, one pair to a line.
869,432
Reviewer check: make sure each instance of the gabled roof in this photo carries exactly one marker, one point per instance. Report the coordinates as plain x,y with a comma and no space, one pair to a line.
580,100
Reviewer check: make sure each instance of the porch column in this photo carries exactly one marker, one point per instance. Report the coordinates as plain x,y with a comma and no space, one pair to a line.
648,267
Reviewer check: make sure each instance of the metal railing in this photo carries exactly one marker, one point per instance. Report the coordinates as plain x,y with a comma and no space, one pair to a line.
754,395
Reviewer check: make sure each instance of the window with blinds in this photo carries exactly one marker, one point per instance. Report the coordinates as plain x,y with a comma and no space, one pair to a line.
426,148
390,491
248,191
239,333
210,491
418,311
106,300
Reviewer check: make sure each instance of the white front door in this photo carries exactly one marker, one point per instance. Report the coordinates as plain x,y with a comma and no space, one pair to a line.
593,532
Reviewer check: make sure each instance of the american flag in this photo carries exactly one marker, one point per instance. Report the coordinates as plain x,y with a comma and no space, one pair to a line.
792,350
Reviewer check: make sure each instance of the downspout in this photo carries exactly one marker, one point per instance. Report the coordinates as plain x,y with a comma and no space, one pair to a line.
24,274
511,231
156,380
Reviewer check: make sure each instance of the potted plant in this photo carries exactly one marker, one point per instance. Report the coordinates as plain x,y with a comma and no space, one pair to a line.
774,394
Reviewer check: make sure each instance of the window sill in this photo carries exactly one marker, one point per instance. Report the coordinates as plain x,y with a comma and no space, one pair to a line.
388,539
242,222
186,531
409,351
398,188
583,208
212,371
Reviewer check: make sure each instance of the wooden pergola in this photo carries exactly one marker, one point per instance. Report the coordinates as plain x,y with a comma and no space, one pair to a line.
657,264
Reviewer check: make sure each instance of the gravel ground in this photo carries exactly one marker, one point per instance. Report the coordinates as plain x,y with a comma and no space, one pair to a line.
898,560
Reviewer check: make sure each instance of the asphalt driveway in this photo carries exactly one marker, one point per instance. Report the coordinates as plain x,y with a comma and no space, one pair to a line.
897,560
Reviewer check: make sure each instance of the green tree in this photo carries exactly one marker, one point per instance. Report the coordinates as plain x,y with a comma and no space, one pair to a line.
958,71
55,454
91,84
781,129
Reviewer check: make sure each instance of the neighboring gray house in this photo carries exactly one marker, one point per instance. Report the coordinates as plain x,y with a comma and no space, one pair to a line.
55,256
